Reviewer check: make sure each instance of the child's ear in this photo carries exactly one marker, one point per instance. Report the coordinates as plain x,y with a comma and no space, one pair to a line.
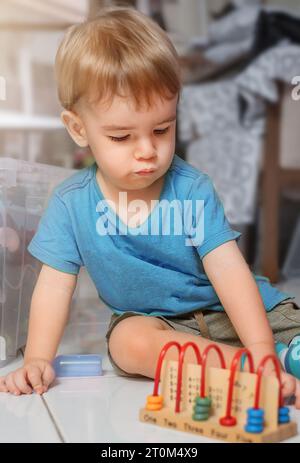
75,127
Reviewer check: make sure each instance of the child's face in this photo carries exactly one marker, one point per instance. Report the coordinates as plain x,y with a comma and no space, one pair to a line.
145,139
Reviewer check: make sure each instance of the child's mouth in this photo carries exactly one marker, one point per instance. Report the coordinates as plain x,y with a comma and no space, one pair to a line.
145,172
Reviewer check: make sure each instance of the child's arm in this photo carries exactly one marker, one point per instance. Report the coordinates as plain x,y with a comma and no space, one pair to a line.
48,316
236,288
49,313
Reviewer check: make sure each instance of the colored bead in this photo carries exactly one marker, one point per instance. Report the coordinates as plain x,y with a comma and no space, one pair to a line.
283,411
256,412
205,406
153,407
255,420
201,408
200,416
154,402
283,420
204,401
228,421
283,415
254,429
154,399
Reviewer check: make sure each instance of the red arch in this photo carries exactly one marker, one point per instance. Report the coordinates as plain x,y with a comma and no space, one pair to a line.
204,357
229,420
160,361
179,378
260,370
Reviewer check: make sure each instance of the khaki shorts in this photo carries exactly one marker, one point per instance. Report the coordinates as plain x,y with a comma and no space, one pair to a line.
284,320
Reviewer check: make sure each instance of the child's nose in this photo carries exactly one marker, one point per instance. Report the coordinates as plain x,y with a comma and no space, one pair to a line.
146,151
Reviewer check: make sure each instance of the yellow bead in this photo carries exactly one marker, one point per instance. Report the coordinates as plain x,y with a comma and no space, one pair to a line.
154,402
153,407
155,399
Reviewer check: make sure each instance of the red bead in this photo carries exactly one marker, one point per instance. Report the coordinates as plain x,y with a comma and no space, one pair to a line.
228,421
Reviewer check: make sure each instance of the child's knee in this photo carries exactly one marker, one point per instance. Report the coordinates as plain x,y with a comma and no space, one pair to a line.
131,340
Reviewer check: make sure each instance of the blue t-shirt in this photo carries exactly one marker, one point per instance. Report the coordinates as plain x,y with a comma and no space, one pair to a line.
155,268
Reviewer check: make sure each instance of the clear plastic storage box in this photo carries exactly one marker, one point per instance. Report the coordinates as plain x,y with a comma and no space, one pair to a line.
25,188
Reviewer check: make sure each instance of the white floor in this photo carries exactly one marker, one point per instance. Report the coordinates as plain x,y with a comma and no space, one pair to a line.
101,409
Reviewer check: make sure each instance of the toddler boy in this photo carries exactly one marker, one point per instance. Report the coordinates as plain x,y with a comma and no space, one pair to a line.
149,228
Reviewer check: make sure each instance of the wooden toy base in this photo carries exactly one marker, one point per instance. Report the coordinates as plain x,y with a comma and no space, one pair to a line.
211,428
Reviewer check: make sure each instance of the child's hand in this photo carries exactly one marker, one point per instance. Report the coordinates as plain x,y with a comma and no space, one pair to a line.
36,374
290,386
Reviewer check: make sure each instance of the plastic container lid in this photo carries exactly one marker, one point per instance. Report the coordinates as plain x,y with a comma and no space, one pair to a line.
78,365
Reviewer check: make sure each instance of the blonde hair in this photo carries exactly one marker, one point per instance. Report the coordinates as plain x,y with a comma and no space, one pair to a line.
121,52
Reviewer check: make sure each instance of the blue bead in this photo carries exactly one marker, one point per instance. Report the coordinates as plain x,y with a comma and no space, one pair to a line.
253,429
258,420
283,415
283,411
283,419
255,420
255,412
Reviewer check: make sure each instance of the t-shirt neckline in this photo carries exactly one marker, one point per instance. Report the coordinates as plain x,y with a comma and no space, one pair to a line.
115,215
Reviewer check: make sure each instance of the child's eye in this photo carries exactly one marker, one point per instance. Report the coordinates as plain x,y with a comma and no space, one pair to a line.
162,131
119,139
158,132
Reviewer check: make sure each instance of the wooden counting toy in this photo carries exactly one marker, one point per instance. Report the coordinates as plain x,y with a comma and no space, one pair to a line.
220,403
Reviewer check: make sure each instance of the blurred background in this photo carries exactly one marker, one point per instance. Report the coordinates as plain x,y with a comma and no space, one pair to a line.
238,118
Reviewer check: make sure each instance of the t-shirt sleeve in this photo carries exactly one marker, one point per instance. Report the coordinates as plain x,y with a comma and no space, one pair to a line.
210,227
54,243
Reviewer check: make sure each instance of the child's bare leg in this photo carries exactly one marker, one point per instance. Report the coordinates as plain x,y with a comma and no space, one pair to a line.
135,344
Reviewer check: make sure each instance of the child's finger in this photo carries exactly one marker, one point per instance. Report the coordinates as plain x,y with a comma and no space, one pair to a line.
297,394
3,387
48,376
34,376
21,383
11,385
288,385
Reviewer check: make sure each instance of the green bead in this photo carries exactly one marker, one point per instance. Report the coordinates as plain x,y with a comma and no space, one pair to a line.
200,409
205,401
200,416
